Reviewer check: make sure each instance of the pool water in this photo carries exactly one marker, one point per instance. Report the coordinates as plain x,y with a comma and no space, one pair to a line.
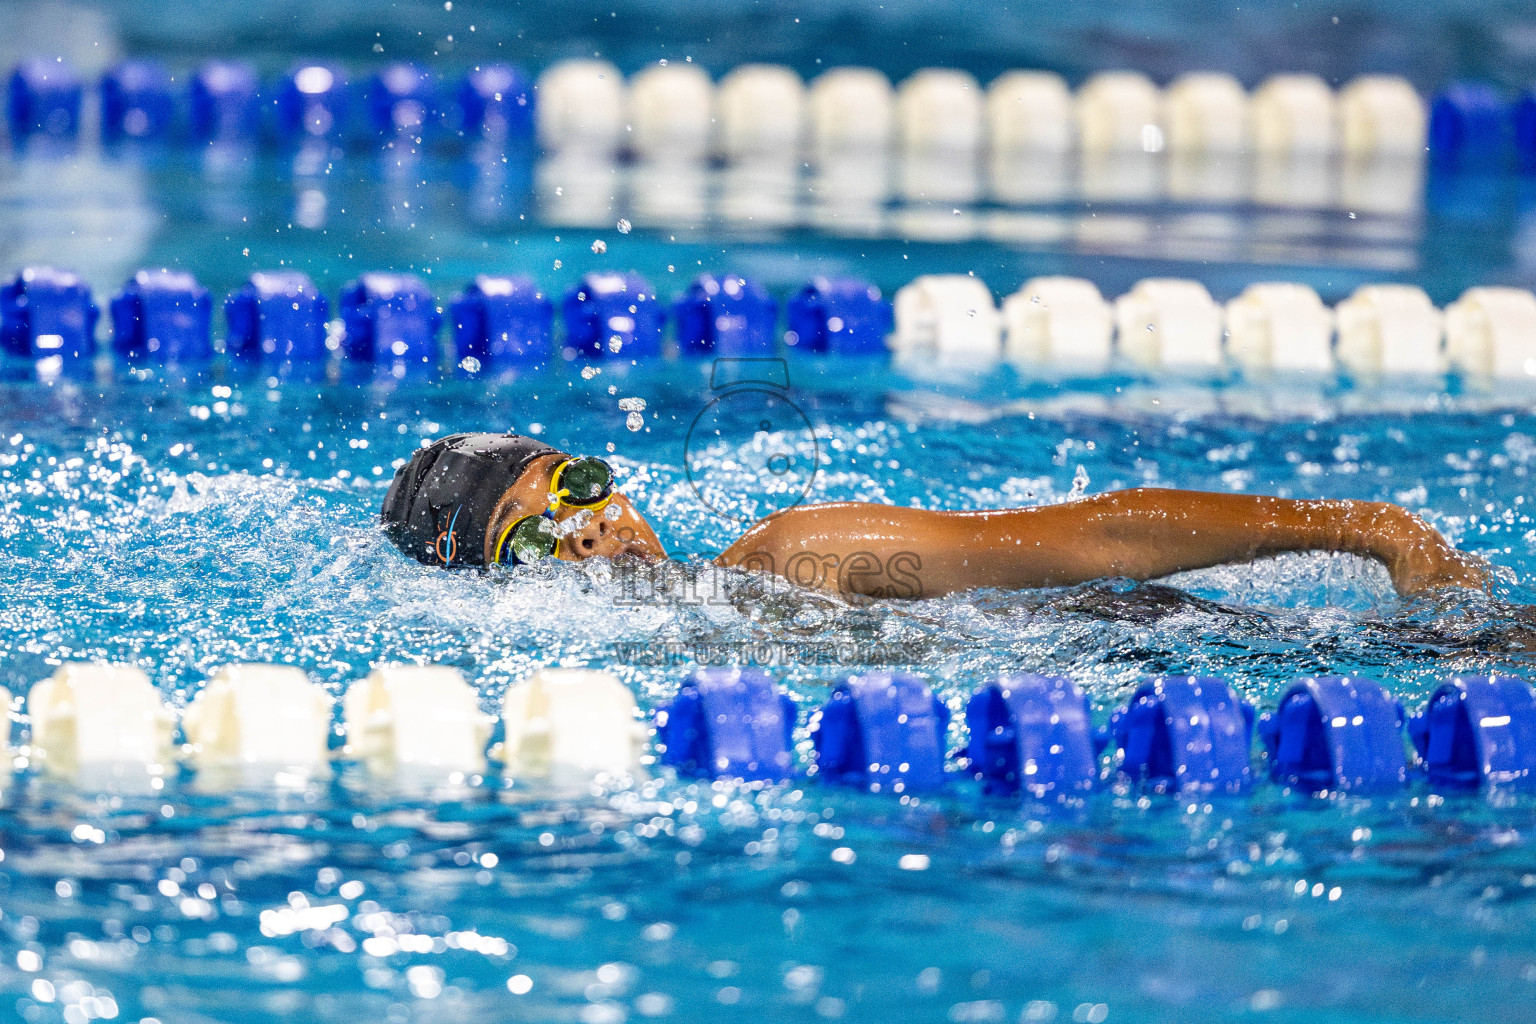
180,523
181,526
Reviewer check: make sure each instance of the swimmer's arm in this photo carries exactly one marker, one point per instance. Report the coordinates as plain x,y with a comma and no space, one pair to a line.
886,551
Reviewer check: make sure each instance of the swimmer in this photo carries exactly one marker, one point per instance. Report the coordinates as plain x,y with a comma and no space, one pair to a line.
504,499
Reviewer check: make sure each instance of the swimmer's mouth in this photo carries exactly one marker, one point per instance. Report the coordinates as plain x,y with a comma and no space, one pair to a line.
642,551
642,548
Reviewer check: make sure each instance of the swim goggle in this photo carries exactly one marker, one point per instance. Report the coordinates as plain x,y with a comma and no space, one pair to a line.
582,483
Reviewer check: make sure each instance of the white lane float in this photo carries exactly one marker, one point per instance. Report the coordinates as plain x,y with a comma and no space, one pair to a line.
1293,114
852,110
760,109
1205,112
1169,323
1119,112
940,110
671,112
567,723
1280,326
266,722
1029,112
1380,115
1061,322
579,107
1390,329
948,315
100,723
417,721
1491,332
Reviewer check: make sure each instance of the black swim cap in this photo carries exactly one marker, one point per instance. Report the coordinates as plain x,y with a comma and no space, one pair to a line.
440,503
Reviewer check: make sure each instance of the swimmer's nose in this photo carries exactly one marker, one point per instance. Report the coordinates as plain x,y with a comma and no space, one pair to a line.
596,538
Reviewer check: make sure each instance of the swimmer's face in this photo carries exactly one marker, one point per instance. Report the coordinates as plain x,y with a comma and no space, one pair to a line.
628,534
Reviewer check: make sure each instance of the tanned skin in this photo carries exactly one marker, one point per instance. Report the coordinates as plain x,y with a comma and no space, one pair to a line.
884,551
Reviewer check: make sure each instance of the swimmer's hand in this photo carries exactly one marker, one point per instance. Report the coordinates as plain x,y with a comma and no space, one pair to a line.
1418,558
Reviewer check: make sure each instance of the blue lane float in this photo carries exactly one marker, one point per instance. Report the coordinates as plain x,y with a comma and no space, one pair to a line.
136,102
46,312
401,99
277,315
313,103
729,723
503,320
1032,735
728,315
884,732
391,318
1478,730
613,316
162,315
842,316
44,100
1186,733
1525,129
1336,733
225,103
1468,125
496,102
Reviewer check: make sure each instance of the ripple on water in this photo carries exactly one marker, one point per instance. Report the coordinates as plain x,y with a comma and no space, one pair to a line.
181,542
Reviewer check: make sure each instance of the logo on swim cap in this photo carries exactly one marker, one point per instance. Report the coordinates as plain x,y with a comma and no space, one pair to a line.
447,542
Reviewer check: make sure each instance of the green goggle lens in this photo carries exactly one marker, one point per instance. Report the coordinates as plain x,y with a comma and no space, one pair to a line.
587,480
532,539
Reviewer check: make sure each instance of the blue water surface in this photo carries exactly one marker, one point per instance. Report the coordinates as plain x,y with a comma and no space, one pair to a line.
180,523
184,525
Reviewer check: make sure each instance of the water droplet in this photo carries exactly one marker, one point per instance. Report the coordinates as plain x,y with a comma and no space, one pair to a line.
599,246
632,404
558,264
612,512
623,226
469,364
588,372
1079,484
635,421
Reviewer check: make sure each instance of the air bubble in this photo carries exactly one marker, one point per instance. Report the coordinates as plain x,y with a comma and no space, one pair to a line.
623,226
632,404
635,421
599,246
588,372
1079,484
